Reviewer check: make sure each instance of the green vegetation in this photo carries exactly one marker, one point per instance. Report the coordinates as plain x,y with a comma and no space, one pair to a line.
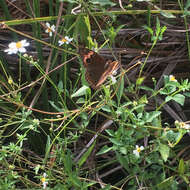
129,133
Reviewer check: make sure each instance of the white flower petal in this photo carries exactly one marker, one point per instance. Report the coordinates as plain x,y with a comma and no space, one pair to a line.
22,50
48,24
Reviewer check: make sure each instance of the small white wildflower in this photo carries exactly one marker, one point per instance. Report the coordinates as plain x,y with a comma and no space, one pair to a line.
15,47
65,39
43,180
172,78
138,150
36,121
50,29
182,125
113,79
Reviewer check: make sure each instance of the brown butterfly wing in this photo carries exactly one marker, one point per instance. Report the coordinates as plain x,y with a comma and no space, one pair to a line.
97,68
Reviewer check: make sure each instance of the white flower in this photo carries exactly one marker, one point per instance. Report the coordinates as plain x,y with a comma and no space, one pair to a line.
15,47
43,180
50,29
113,79
138,150
172,78
65,39
182,125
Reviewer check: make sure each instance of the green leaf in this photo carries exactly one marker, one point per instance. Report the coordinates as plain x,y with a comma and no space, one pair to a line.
153,115
68,163
106,108
81,91
87,22
110,132
157,26
55,106
187,94
115,141
104,150
149,30
166,184
179,98
146,88
187,4
164,151
123,161
181,167
86,155
119,92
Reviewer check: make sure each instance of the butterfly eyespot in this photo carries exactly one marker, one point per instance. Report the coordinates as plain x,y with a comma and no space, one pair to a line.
87,60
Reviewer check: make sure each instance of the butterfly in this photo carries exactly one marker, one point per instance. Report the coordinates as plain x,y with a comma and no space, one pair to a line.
97,68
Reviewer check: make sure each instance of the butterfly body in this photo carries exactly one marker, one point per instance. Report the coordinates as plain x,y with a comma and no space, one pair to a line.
97,68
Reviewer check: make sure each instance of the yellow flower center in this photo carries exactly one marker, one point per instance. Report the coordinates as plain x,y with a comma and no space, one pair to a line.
49,30
43,179
64,40
172,78
18,44
138,149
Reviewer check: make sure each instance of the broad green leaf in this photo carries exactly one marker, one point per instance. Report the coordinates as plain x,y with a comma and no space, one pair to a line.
81,91
164,151
179,98
115,141
123,161
187,94
106,108
168,98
